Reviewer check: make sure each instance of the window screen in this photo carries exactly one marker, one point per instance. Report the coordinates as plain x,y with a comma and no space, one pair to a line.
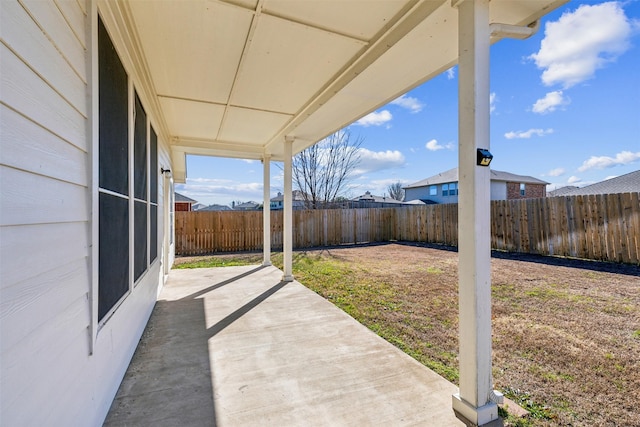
140,239
113,251
153,167
140,152
153,250
113,199
116,176
113,118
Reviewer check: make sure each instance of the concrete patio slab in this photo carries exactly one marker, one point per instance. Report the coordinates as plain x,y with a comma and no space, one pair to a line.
235,346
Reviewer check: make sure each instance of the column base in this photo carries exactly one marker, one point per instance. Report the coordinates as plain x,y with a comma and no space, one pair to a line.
266,264
287,278
484,416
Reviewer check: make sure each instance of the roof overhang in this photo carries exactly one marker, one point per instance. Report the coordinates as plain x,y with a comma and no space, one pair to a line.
232,78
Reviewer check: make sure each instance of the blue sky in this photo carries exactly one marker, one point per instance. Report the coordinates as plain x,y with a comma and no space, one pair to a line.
565,109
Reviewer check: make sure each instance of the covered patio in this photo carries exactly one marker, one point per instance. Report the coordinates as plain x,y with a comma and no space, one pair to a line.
237,346
265,79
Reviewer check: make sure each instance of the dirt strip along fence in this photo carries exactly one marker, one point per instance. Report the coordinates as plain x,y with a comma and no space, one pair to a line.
598,227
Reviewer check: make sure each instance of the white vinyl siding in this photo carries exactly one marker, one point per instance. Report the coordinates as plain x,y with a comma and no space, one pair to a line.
44,212
56,369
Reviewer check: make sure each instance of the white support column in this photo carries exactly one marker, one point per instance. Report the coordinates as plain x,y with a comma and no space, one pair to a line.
287,228
474,268
266,209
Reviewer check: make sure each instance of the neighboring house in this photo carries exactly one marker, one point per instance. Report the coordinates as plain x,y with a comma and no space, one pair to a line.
277,202
368,200
627,183
183,203
368,197
246,206
443,187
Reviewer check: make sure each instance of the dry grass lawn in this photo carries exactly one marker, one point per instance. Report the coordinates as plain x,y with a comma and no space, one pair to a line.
566,333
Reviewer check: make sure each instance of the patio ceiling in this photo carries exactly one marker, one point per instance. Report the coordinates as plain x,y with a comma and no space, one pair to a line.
232,78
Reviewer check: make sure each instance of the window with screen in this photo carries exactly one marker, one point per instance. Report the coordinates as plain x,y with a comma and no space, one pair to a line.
113,151
445,189
127,185
433,190
522,189
153,195
140,190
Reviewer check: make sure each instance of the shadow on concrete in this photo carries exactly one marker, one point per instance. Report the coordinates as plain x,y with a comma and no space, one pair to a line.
237,314
168,382
223,283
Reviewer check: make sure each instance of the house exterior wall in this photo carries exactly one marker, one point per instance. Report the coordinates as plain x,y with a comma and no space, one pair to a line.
498,192
183,207
423,193
532,191
56,367
278,205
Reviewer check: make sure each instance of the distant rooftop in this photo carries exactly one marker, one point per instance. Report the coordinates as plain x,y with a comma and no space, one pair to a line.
627,183
452,176
296,195
562,191
184,199
368,197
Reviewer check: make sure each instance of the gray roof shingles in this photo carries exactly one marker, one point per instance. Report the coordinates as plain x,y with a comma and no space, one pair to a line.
183,199
627,183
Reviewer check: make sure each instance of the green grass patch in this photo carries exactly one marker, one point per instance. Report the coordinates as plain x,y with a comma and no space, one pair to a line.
536,410
210,262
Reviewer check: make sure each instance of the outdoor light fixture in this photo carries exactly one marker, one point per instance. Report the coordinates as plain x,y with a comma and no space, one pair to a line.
163,171
484,157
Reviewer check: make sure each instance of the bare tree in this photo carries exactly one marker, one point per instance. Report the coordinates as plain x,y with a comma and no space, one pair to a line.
323,170
395,191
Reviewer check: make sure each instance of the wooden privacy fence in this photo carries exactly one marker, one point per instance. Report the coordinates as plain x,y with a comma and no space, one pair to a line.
599,227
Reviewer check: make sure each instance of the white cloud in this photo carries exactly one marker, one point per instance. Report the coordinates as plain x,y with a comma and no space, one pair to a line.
556,172
527,133
573,179
550,102
451,73
602,162
582,41
377,118
433,145
410,103
208,186
492,102
221,191
372,161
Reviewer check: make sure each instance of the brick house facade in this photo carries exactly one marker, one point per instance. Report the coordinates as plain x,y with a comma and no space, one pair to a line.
531,191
